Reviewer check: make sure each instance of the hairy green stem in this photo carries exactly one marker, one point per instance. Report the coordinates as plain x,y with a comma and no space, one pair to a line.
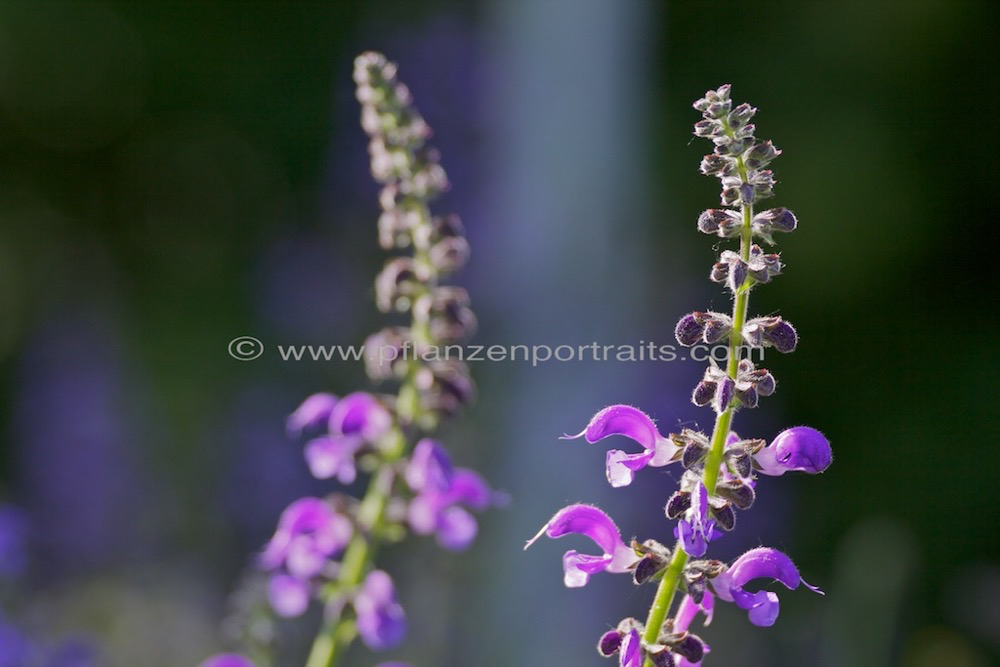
670,581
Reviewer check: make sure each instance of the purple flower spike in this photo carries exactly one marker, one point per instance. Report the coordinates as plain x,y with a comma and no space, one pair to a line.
381,620
760,563
309,533
637,425
227,660
598,526
314,411
630,654
800,448
288,595
697,530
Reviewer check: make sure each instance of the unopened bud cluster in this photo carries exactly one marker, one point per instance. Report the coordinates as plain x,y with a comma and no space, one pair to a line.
411,177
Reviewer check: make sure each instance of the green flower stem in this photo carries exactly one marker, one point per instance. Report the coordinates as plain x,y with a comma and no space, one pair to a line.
338,631
713,461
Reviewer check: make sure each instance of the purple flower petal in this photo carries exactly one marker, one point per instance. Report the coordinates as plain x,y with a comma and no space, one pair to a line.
800,448
309,532
227,660
430,467
622,466
456,529
637,425
314,411
630,654
361,414
288,595
381,620
760,563
598,526
333,456
696,530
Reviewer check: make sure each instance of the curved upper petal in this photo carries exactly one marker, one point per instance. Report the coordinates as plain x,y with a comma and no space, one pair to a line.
584,520
621,420
361,414
314,411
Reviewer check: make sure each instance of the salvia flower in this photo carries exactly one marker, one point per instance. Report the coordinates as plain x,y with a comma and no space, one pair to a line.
800,448
381,620
591,522
760,563
636,425
696,530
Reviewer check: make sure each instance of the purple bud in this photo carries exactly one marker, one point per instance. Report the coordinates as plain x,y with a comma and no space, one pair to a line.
717,327
740,494
725,516
450,254
691,647
737,275
719,221
689,330
678,504
781,336
723,395
609,643
741,115
760,155
703,393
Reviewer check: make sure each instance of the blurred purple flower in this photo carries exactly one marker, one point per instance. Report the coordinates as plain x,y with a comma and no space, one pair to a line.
381,620
309,533
598,526
760,563
227,660
288,595
800,448
637,425
352,421
15,648
440,489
